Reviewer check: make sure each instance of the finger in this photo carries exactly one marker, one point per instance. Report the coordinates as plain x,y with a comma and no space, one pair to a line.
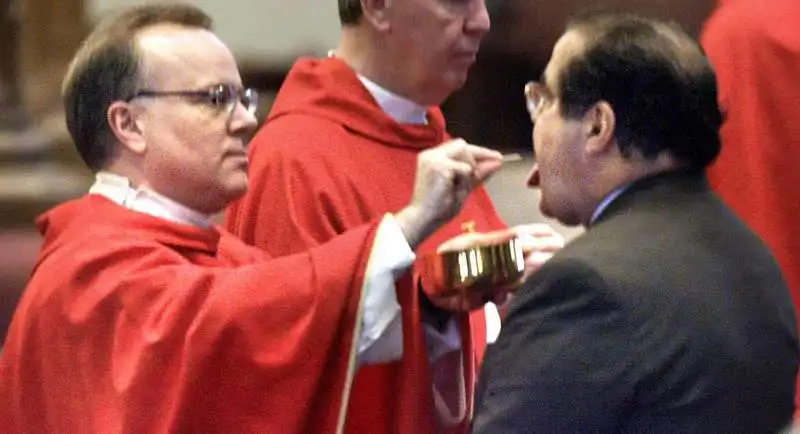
551,247
464,181
484,161
462,170
455,143
550,243
479,153
539,237
458,150
537,259
536,230
460,242
454,173
484,169
461,155
546,250
487,161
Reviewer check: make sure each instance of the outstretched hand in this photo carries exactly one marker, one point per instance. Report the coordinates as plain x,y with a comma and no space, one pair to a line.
445,177
539,243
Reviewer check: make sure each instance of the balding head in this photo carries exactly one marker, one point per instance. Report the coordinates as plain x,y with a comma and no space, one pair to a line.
107,68
656,78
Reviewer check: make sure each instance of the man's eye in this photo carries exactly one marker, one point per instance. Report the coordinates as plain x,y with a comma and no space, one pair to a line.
221,96
216,97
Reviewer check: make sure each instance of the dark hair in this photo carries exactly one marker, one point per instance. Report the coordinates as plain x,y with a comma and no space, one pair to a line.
107,68
350,12
657,79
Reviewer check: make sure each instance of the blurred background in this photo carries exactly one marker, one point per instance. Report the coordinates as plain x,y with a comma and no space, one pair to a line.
39,168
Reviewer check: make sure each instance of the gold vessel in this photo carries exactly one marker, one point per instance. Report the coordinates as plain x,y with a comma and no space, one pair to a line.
484,266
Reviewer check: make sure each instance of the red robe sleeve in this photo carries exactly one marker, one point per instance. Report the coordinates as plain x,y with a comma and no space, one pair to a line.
127,336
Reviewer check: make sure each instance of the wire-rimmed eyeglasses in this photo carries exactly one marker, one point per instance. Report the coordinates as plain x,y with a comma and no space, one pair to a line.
537,96
222,97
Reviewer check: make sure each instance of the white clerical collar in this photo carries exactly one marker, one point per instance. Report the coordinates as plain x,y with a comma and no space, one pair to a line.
402,110
607,201
118,189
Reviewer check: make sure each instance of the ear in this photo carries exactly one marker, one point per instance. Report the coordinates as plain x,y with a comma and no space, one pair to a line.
599,125
122,120
377,13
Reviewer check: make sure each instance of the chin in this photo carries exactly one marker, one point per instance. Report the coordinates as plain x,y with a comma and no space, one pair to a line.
237,183
454,77
458,79
563,217
228,191
236,191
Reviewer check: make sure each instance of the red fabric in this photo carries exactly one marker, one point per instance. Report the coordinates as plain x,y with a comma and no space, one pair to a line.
133,324
755,49
329,159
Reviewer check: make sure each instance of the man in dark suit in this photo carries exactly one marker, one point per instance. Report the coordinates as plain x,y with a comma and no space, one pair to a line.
668,315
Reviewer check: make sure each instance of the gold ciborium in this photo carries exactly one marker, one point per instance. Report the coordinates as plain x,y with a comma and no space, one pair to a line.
484,262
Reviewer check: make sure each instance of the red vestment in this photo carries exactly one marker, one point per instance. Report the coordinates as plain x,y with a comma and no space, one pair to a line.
755,49
327,160
134,324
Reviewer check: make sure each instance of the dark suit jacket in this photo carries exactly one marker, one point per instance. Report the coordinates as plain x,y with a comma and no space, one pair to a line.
667,316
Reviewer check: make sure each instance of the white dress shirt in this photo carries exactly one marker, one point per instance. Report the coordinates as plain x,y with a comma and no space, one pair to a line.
607,201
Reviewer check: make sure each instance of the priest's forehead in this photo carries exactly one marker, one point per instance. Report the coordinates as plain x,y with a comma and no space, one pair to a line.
176,57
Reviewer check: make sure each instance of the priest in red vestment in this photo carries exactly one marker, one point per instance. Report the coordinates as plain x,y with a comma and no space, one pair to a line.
142,316
754,46
338,149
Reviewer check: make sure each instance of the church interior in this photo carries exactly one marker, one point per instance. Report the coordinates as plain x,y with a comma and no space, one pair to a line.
39,167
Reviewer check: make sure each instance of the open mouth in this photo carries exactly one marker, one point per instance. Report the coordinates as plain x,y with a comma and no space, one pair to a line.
534,178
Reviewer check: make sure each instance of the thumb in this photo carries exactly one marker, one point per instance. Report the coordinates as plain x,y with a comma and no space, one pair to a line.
480,153
484,169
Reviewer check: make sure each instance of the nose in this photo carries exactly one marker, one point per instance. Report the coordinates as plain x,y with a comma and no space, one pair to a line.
242,121
478,21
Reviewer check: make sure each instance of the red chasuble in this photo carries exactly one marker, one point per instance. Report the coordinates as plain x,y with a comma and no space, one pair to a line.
755,49
134,324
327,160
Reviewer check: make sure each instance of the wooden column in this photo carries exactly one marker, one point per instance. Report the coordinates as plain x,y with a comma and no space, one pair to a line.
10,104
39,167
50,33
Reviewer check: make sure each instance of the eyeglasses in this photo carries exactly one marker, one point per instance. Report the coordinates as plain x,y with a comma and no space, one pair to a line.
222,97
537,97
